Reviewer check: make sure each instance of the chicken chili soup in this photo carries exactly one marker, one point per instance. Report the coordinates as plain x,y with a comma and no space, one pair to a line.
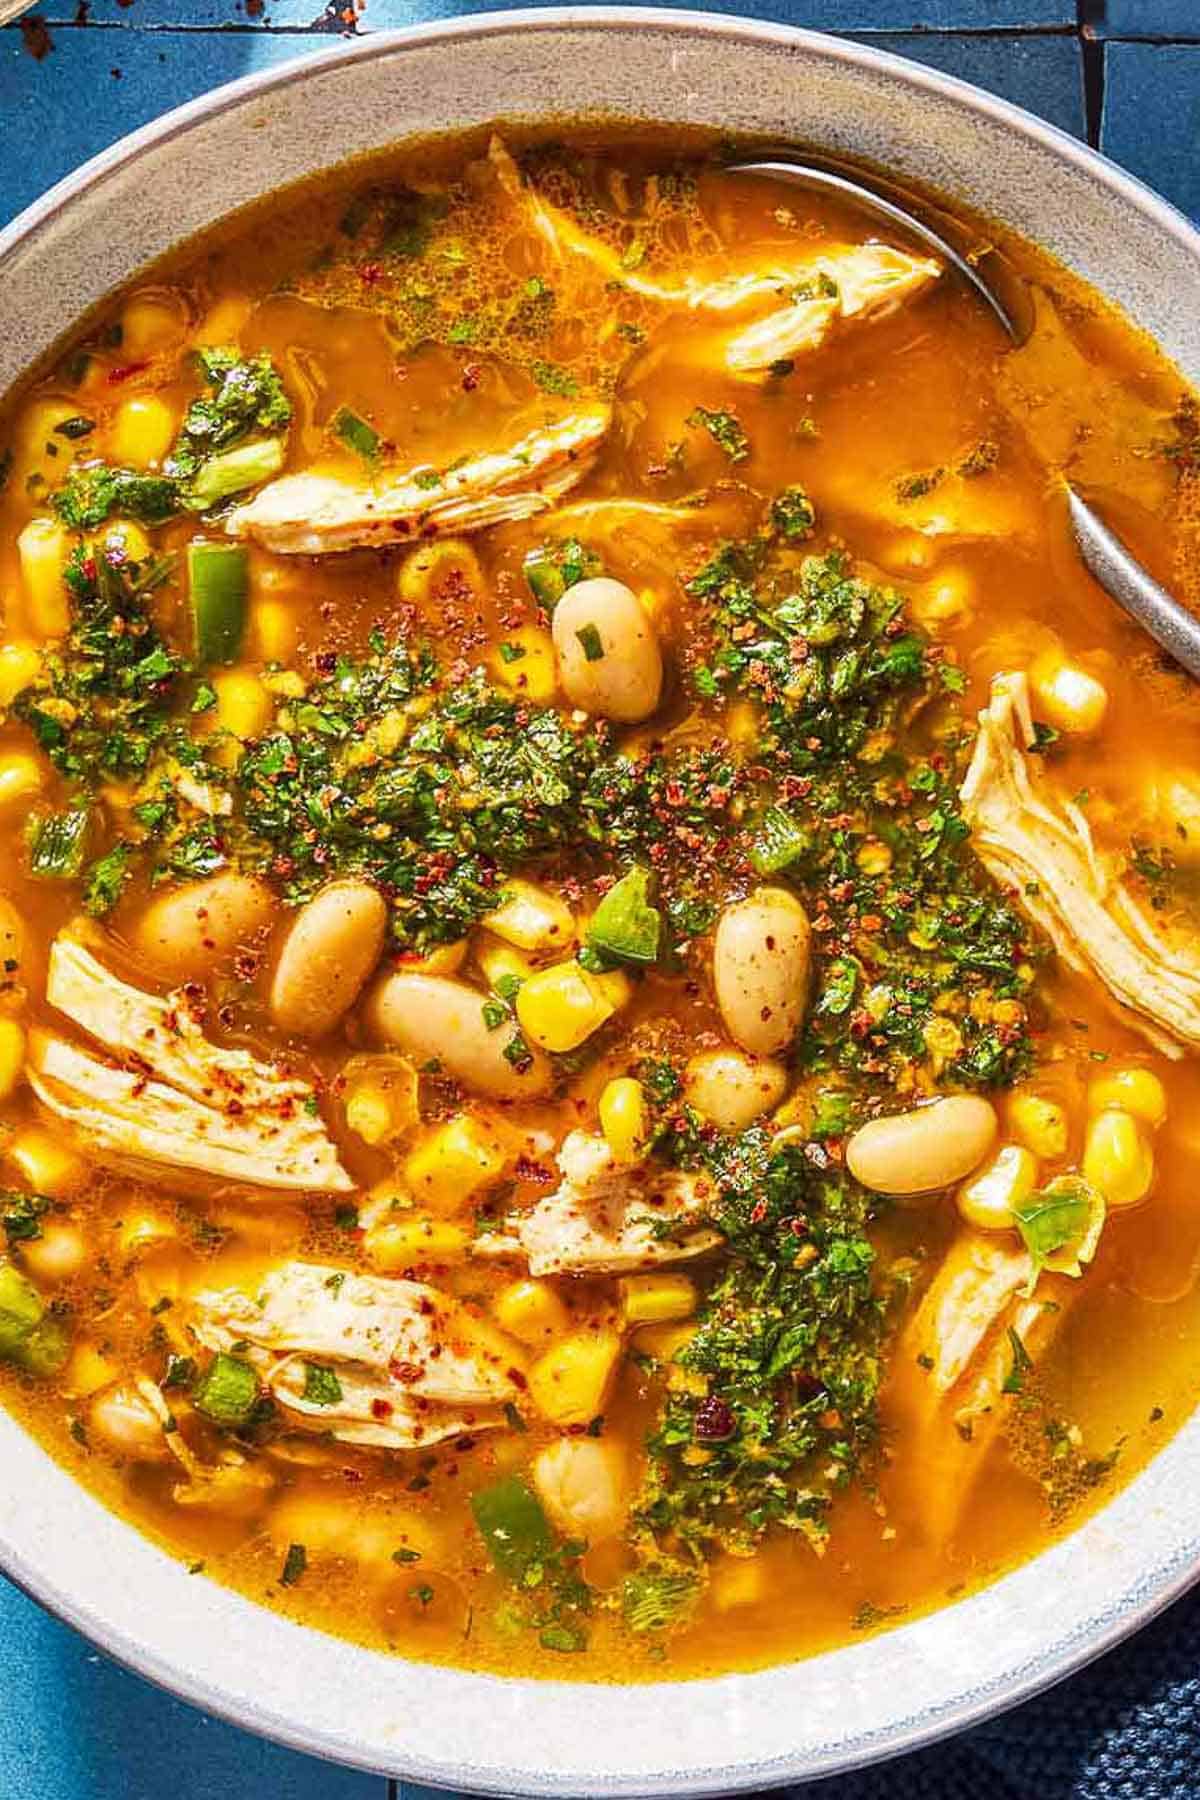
600,990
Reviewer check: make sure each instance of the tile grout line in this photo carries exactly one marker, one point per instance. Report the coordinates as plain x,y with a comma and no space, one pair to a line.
1090,17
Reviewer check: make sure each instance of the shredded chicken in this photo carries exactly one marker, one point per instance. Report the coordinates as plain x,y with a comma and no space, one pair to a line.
412,1366
607,1220
955,1357
855,281
1041,849
312,514
177,1102
819,288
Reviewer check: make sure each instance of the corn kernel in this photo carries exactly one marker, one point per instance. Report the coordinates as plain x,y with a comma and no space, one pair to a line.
87,1371
443,959
36,429
531,1311
1041,1125
43,548
1136,1091
48,1164
273,629
1069,698
432,566
686,1381
455,1162
664,1342
500,962
369,1115
126,539
558,1008
624,1119
1117,1158
284,684
1009,1178
528,668
12,1056
21,776
737,1581
531,918
943,1040
396,1244
381,1097
742,724
569,1382
150,323
142,432
244,706
657,1299
20,662
874,857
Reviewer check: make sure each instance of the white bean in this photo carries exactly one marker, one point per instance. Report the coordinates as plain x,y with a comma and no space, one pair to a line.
609,661
921,1151
732,1089
760,969
327,955
185,930
125,1423
432,1018
583,1483
58,1254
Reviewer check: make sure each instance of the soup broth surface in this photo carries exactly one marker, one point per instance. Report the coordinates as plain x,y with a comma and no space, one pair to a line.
493,647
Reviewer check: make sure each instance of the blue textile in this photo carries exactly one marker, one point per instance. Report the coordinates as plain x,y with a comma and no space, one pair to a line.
73,1726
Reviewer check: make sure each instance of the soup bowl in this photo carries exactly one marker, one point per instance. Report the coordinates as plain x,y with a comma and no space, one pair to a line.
875,1697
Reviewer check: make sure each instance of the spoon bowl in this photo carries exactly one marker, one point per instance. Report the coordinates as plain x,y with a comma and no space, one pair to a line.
1171,624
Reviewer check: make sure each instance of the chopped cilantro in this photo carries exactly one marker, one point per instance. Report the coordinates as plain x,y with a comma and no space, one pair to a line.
725,429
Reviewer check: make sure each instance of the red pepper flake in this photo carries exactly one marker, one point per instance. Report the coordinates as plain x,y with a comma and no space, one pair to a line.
472,375
124,371
382,1409
527,1169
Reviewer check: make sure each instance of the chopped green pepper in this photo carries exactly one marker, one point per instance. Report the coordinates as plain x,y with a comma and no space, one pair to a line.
29,1334
57,843
227,1391
625,925
513,1526
356,434
232,472
779,842
219,584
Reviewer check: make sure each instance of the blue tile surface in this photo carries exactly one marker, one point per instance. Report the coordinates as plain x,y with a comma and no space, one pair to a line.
1149,18
73,1726
131,76
1151,118
377,15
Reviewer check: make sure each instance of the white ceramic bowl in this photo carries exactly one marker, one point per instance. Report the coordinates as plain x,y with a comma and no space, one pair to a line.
873,1698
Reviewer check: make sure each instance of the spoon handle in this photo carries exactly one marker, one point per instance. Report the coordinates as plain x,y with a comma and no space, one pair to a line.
1133,588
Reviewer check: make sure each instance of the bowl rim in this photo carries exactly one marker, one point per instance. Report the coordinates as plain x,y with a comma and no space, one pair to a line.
1177,1566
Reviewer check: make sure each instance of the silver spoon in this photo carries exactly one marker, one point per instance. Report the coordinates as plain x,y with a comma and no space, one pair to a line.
1117,570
